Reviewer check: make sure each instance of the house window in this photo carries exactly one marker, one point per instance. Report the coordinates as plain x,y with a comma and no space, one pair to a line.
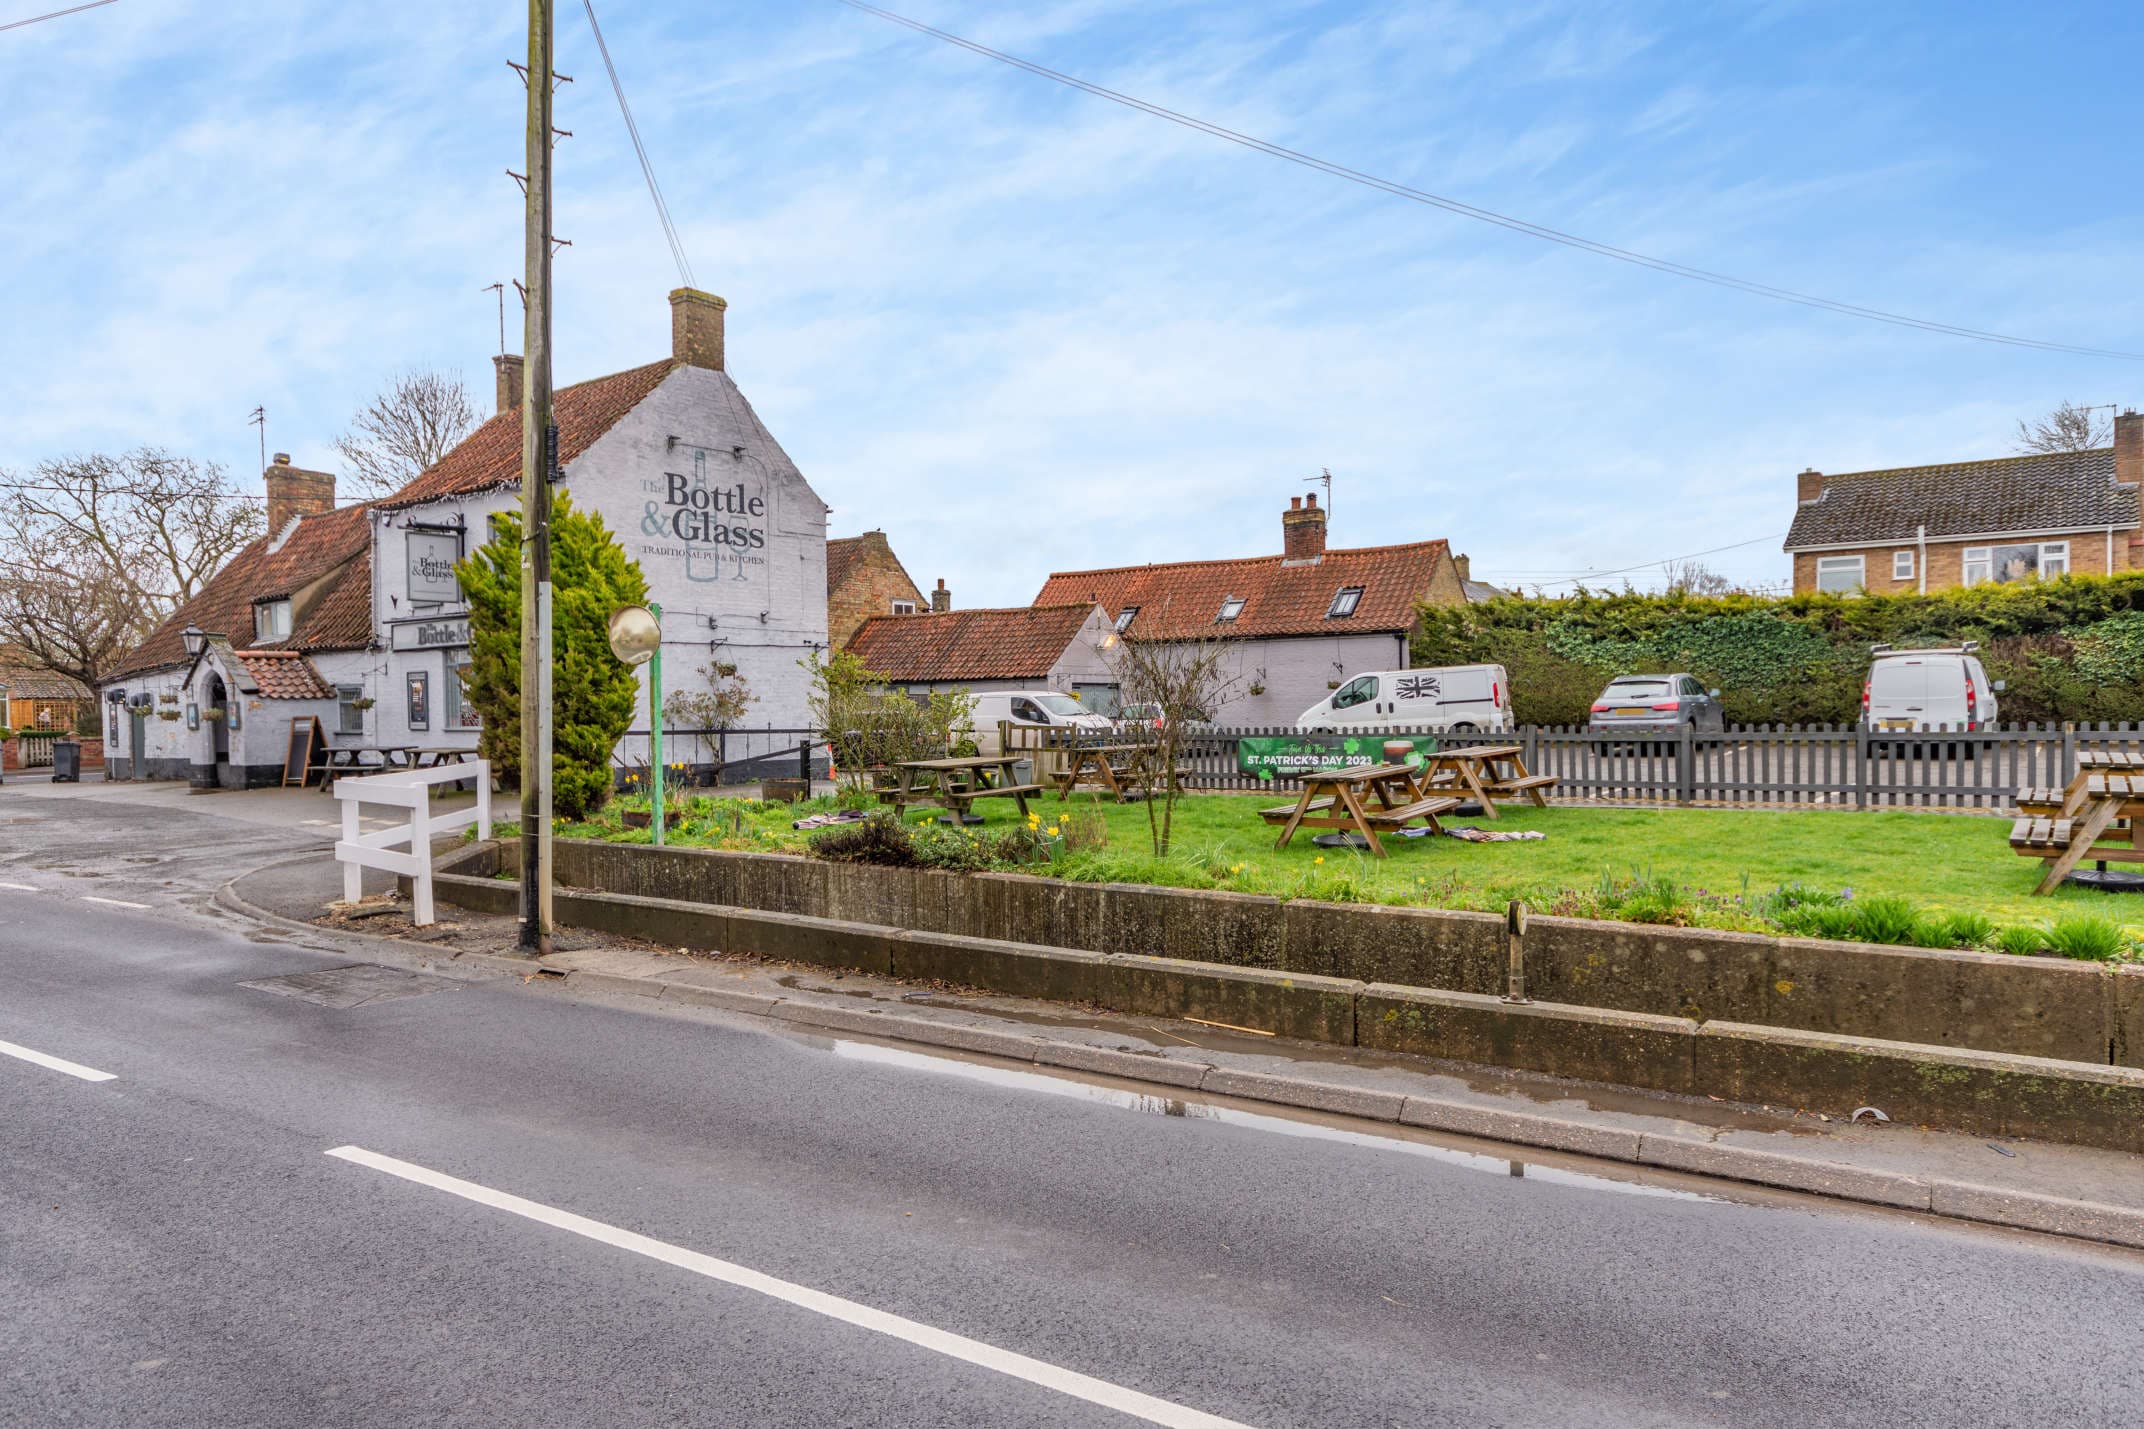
1902,565
2005,564
1345,602
349,718
271,620
904,607
1124,618
1230,609
1844,574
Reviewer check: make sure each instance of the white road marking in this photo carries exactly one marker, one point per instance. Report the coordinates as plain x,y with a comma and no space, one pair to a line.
114,902
19,887
959,1347
57,1064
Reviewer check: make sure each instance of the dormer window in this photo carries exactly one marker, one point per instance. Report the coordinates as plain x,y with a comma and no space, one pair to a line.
1230,609
1344,602
904,607
1124,618
271,620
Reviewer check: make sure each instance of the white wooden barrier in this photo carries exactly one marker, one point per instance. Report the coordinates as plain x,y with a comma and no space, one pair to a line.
406,849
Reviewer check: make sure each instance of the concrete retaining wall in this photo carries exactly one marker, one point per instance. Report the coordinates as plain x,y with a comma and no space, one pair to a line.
2034,1007
1986,1093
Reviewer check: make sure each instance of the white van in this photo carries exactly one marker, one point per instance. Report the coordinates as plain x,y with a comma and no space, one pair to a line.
1461,698
1921,689
1030,707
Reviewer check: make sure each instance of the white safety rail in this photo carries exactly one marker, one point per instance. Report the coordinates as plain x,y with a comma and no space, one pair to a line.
407,848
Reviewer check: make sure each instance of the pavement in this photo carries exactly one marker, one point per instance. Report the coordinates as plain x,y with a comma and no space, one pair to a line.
312,1187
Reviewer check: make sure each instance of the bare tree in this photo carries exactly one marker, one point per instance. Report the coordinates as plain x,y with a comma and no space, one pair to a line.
1185,680
2069,428
96,551
416,420
1696,578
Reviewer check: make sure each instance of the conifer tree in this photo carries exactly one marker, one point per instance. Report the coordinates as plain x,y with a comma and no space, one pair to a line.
592,694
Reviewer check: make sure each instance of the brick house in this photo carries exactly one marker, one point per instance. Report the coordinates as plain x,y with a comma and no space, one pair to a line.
1028,647
1924,528
1303,621
865,578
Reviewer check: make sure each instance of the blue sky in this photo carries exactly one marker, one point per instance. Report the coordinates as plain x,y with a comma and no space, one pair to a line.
1022,329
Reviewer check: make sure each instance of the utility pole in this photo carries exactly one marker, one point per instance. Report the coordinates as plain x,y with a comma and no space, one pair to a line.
539,452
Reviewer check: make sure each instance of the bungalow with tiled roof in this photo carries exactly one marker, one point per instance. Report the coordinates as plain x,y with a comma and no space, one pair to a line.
353,614
1303,621
1923,528
1027,647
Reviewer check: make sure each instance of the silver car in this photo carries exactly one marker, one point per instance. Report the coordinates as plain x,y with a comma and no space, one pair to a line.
1656,705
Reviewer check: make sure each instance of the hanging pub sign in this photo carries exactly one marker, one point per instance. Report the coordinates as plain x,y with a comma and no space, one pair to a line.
432,555
428,634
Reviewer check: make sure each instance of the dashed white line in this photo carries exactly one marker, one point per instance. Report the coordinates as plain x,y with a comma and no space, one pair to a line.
914,1332
57,1064
19,887
111,902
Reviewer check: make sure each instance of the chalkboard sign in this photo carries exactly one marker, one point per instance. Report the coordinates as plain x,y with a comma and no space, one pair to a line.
308,752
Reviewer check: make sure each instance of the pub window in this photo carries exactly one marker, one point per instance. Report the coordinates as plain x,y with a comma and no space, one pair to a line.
1344,602
1230,609
1124,618
271,620
461,709
420,700
349,718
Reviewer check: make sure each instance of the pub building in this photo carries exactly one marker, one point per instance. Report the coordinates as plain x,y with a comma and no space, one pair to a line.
351,615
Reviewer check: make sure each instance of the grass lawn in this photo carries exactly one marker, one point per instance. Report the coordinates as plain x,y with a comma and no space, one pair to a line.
1720,863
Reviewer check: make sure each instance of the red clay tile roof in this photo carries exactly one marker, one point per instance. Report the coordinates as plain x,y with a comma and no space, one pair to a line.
285,675
319,545
1182,599
1020,643
490,456
841,553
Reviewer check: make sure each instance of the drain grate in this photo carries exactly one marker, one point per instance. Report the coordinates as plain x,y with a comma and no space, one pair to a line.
351,986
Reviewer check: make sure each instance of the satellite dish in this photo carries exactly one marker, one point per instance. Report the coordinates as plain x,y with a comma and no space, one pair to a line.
635,634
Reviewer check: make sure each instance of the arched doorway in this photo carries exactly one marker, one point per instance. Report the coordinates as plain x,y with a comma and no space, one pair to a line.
220,729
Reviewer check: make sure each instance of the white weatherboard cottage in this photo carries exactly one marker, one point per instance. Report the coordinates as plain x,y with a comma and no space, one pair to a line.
357,612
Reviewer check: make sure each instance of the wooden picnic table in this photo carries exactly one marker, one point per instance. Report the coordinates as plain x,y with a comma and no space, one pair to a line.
954,784
1122,769
2080,830
351,759
1486,773
1339,799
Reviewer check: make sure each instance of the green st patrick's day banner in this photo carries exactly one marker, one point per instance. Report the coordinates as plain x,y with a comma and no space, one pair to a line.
1284,754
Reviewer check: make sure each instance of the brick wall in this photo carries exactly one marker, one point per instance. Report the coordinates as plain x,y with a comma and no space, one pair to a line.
2088,557
875,580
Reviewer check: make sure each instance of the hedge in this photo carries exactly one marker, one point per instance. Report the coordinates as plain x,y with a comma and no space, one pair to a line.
2069,649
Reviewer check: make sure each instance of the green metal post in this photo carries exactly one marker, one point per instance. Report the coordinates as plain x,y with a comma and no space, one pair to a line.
655,720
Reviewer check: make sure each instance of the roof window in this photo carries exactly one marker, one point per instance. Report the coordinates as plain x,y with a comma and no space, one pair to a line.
1344,602
1230,609
1124,618
271,620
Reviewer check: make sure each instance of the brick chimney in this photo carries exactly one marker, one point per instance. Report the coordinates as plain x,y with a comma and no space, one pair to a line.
509,366
696,328
295,492
1464,565
1302,530
1809,485
2129,447
941,598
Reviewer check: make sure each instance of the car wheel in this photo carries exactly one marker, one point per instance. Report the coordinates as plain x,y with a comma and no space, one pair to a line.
1464,729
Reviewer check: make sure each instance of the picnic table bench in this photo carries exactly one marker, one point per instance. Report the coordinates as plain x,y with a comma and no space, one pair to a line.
352,759
2077,831
1122,769
1338,799
954,784
1486,773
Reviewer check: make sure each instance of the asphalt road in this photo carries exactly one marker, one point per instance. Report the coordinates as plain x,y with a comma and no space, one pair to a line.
178,1245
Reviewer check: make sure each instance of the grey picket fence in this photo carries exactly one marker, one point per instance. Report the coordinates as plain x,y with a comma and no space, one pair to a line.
1821,766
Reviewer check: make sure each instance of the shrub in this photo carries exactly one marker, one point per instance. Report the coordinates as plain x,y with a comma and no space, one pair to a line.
1821,920
1969,930
881,839
2092,939
1885,919
2023,940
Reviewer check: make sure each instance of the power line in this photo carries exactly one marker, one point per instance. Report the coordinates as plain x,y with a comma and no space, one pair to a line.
662,209
1483,215
54,15
1573,577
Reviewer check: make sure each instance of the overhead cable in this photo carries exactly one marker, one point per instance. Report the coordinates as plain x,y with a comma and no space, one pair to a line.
56,14
655,191
1467,210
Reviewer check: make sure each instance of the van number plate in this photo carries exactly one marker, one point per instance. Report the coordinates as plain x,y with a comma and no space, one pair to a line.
1895,724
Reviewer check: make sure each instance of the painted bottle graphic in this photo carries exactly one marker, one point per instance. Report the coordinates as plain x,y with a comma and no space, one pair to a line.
703,559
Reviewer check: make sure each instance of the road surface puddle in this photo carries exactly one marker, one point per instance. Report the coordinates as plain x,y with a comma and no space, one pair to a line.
1399,1140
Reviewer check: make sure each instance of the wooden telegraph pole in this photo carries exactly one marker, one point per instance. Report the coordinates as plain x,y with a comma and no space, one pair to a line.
539,454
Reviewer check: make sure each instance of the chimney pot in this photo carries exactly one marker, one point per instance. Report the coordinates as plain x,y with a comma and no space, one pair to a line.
2129,447
696,328
510,367
282,458
1313,500
294,492
1302,530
